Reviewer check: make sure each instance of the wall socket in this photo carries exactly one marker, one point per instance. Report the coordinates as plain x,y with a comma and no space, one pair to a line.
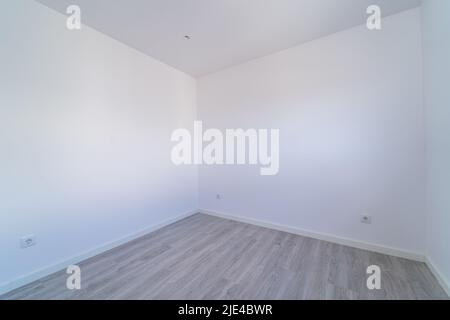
218,196
366,219
27,241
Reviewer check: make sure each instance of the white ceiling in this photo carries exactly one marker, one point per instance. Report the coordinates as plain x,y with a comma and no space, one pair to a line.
223,32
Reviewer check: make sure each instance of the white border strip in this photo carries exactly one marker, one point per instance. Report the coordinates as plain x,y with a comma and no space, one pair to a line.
36,275
322,236
445,284
43,272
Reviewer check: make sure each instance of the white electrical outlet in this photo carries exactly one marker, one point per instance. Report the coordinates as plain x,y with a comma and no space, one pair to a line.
366,219
218,196
27,241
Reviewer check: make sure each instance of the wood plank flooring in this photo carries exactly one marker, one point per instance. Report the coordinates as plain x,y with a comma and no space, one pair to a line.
205,257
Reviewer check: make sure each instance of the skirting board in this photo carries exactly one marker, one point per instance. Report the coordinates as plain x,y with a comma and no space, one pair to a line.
19,282
38,274
322,236
445,284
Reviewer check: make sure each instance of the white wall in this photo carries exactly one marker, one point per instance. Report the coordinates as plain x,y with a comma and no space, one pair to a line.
436,40
349,110
85,125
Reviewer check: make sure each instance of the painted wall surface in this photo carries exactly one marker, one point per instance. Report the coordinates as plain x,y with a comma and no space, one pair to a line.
351,119
436,44
85,126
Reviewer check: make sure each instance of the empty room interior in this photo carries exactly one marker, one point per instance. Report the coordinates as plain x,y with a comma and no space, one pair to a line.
225,150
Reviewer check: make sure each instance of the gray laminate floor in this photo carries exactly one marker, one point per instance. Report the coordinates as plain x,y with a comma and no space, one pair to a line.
204,257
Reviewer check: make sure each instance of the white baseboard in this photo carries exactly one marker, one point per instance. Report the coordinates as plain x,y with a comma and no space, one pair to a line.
38,274
443,281
61,265
322,236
